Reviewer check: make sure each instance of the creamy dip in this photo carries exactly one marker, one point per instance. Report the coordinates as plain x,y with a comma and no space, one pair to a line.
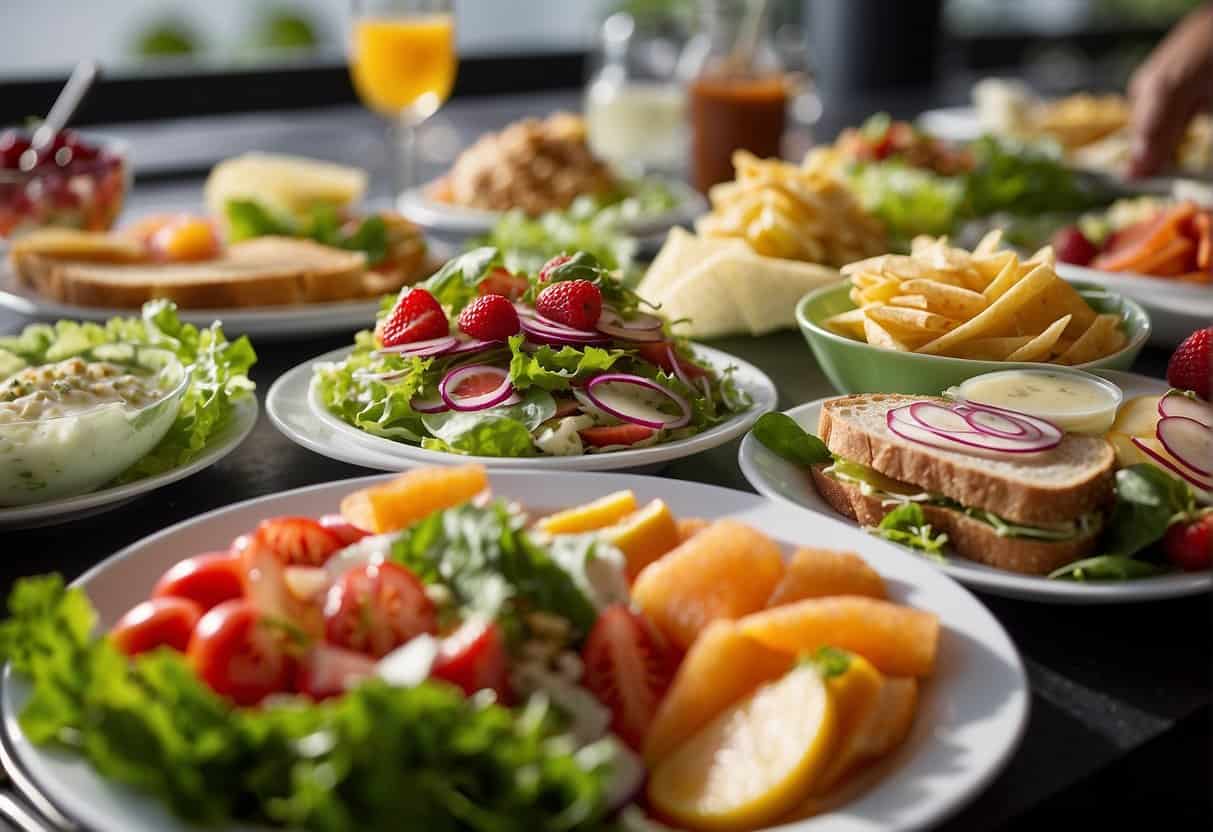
1073,400
73,387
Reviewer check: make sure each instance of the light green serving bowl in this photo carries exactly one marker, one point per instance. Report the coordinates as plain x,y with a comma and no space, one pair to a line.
857,367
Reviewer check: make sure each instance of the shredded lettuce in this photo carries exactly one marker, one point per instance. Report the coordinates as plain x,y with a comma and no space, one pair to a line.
218,372
907,525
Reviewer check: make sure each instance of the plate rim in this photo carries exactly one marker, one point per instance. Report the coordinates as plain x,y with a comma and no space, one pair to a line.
765,393
986,579
996,643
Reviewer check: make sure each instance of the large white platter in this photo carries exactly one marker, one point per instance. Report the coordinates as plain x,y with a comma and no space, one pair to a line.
783,480
297,412
1176,309
971,717
73,508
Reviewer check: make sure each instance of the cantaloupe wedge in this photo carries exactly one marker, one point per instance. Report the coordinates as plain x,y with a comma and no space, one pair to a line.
721,668
644,536
413,495
726,571
688,527
818,573
591,516
899,641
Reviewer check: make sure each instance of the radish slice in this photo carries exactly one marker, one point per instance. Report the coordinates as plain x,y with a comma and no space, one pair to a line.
480,377
434,404
1177,470
421,349
640,328
1188,441
629,398
967,427
1176,403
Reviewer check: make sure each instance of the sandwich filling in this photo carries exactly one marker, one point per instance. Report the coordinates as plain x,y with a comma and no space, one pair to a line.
891,492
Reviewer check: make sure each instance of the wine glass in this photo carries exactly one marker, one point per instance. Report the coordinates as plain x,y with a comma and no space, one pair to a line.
402,61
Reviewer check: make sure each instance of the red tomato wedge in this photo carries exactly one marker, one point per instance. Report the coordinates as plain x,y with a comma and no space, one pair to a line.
628,668
373,609
330,671
501,282
345,531
474,658
266,588
239,655
160,622
658,352
208,580
299,541
604,435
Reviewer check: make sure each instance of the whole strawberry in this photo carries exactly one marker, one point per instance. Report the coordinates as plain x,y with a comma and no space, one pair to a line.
489,318
1191,365
575,303
1189,544
417,316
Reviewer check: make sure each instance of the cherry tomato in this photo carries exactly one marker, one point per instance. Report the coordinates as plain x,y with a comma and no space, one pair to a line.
375,608
238,656
299,541
345,531
207,580
166,622
628,668
1190,545
330,671
501,282
474,658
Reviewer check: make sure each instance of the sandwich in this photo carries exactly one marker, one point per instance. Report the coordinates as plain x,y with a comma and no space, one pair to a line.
1024,512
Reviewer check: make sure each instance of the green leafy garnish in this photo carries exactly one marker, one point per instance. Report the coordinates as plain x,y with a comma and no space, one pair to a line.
1106,568
907,525
247,219
829,661
781,434
528,242
1148,502
498,431
454,285
552,369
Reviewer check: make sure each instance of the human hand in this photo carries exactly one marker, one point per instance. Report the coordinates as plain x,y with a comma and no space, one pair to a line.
1166,91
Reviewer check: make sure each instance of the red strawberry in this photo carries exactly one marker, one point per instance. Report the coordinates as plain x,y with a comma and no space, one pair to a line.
417,316
1191,365
490,318
1190,545
604,435
575,303
550,266
501,282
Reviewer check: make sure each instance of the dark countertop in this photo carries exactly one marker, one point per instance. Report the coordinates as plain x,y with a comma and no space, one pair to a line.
1120,693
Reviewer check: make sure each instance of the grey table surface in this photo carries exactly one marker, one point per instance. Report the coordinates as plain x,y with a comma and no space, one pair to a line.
1106,681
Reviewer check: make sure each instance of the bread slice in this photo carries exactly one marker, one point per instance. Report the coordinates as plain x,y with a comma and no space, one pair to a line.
266,271
967,537
1053,486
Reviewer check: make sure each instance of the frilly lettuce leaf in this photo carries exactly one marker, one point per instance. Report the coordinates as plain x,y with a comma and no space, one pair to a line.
498,431
551,369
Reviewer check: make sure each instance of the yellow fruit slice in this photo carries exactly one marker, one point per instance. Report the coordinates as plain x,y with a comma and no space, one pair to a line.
752,763
644,536
818,573
413,495
586,518
857,693
1138,416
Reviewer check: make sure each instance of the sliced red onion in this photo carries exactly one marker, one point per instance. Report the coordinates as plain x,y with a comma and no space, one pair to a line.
498,395
1175,403
420,349
542,333
639,320
707,388
677,365
960,427
630,408
525,311
640,329
433,404
1187,440
467,346
557,328
1177,470
387,375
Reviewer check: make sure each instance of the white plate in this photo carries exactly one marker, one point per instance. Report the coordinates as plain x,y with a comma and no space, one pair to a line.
299,414
454,220
73,508
971,717
1176,309
783,480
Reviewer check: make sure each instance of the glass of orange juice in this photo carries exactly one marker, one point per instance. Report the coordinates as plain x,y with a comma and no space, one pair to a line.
402,60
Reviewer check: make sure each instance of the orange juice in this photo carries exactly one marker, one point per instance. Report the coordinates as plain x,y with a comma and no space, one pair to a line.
403,64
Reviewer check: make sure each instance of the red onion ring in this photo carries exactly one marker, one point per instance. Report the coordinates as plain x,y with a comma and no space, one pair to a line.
1170,432
925,423
613,324
421,349
544,333
434,404
684,407
467,346
483,401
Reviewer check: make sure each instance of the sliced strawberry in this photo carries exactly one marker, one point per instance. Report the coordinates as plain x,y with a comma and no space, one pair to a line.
501,282
604,435
659,353
417,316
299,541
628,669
490,318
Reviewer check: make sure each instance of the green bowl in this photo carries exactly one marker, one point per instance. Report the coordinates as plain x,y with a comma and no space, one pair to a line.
857,367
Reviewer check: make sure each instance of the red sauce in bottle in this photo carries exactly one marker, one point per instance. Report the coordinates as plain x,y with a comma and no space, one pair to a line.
730,114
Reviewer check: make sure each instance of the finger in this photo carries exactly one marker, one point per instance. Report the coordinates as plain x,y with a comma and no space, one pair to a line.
1159,120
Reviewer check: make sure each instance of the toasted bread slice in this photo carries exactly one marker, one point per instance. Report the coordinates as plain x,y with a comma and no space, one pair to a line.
1036,489
967,537
266,271
83,246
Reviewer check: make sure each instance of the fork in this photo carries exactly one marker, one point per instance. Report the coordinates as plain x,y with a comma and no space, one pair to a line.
36,813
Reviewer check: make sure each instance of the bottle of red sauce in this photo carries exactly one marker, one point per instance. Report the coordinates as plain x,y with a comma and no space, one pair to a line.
737,89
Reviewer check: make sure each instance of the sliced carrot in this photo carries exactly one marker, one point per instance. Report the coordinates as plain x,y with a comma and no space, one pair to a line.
1205,276
1130,246
1173,258
1202,224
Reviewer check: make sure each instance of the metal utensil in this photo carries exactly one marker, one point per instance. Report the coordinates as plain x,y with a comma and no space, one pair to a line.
15,813
12,774
73,92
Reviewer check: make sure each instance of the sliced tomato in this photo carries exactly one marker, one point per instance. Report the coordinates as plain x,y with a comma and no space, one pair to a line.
299,541
476,384
345,531
604,435
207,580
659,353
330,671
501,282
373,609
160,622
239,655
628,668
474,658
266,587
